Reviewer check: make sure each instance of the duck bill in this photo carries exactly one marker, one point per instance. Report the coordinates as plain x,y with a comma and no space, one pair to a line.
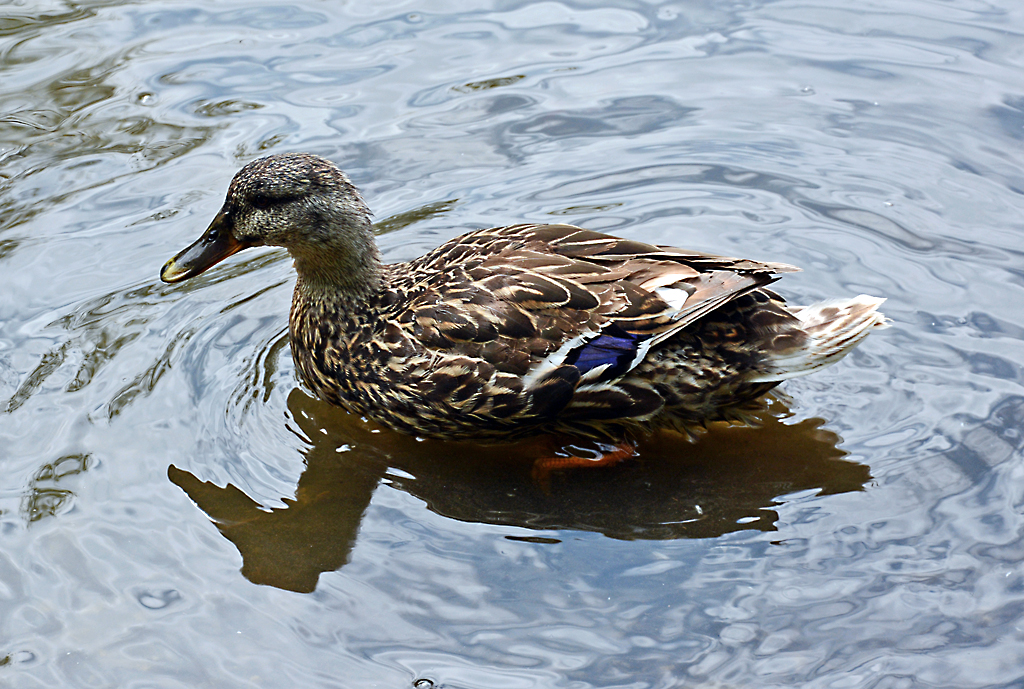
216,244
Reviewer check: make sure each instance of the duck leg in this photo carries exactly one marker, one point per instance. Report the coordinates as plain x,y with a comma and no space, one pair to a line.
611,454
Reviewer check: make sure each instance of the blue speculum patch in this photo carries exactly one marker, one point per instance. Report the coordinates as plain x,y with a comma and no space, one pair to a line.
614,347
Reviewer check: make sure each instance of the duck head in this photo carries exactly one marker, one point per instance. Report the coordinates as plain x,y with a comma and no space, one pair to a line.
298,201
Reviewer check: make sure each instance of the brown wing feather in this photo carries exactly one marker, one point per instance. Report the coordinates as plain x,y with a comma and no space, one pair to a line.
527,289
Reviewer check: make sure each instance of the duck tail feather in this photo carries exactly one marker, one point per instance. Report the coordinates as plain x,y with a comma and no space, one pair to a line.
832,328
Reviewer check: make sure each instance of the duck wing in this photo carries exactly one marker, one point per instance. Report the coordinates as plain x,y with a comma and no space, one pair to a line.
561,307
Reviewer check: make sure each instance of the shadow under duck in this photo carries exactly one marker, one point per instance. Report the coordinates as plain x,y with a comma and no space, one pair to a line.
520,330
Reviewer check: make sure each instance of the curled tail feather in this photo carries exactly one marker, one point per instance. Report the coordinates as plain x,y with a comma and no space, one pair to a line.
832,329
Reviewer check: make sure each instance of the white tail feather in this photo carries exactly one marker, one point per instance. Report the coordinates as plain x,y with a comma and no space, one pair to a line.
835,327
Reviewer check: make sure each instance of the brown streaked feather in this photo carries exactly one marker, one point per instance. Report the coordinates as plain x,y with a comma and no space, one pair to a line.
523,329
466,340
509,297
588,278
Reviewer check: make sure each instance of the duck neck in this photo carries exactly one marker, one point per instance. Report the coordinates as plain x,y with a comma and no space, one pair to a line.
346,269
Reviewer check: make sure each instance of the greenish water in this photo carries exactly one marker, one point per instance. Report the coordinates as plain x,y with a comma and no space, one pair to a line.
176,511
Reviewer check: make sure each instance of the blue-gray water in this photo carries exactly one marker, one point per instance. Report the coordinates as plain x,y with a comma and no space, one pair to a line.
175,511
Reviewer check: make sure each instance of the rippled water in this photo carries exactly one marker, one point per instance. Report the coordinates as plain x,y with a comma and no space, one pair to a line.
177,512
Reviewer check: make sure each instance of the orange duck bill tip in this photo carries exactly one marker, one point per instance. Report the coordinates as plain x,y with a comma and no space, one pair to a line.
216,244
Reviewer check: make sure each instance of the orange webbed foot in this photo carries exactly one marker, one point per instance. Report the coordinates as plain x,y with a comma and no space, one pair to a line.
543,466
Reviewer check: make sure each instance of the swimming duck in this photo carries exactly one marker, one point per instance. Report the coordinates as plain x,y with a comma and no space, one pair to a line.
519,330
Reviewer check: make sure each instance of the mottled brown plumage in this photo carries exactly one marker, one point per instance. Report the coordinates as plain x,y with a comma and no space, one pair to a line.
523,329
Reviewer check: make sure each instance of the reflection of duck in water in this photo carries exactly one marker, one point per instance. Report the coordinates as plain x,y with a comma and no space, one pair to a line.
730,481
520,330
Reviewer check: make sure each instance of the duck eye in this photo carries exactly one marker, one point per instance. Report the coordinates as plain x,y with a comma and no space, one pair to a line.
261,201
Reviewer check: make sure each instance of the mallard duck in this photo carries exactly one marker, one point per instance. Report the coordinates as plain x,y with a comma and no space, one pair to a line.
519,330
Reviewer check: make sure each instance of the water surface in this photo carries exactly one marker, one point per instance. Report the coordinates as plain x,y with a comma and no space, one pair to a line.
177,511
